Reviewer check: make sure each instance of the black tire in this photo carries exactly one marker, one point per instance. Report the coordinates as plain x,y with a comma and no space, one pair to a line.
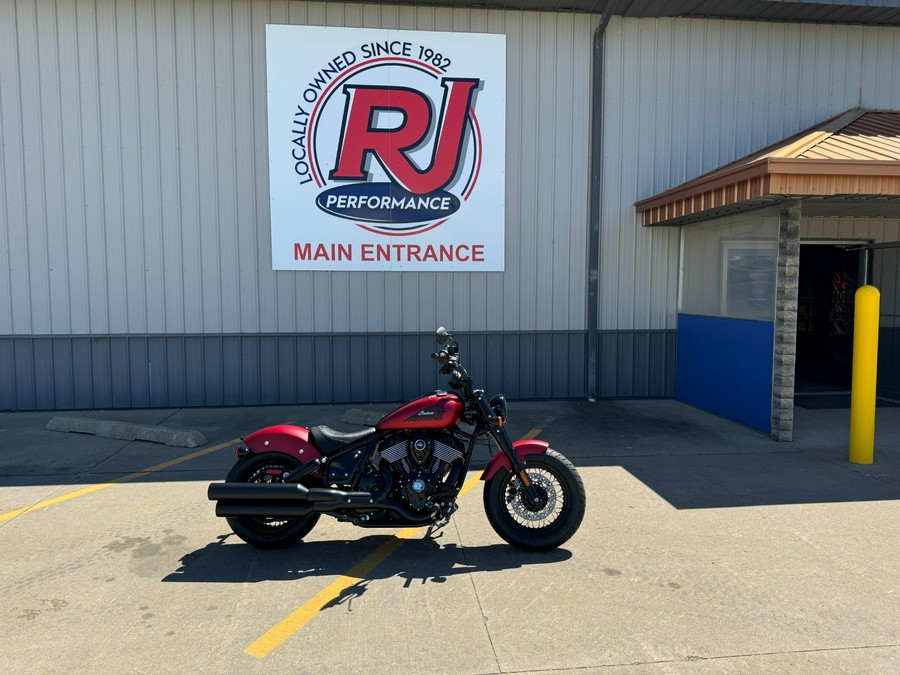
532,529
267,532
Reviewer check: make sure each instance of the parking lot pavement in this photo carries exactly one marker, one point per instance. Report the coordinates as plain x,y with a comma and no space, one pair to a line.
706,548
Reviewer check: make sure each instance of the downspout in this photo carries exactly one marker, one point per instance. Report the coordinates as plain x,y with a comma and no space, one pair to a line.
593,244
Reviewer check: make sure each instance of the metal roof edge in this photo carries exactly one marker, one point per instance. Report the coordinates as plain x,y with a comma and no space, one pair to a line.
795,144
834,167
782,158
709,181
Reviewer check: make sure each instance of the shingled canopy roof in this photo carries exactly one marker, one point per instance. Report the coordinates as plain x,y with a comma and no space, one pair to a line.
846,166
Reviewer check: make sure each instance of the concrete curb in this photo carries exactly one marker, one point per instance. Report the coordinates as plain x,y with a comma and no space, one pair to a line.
181,438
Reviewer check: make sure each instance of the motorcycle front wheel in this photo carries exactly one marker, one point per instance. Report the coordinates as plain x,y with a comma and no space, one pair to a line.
268,532
542,526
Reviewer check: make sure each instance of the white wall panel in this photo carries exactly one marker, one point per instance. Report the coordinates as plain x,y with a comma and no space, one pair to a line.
95,307
877,230
685,96
15,294
135,188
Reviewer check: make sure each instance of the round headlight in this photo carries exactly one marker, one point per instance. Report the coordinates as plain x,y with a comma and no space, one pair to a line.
499,406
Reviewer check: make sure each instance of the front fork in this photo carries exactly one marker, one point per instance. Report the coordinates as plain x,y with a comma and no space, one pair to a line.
535,496
501,438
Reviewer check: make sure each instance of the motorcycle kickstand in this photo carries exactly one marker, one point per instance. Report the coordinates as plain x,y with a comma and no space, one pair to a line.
442,523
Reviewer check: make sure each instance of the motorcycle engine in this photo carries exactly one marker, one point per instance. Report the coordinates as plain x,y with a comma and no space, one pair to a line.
421,463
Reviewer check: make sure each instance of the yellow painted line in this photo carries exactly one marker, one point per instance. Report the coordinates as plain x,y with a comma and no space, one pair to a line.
469,484
534,433
294,621
122,479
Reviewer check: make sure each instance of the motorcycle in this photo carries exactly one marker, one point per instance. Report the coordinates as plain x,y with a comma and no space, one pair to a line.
405,471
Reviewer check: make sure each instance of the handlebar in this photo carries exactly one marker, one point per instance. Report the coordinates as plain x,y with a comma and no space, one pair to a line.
448,357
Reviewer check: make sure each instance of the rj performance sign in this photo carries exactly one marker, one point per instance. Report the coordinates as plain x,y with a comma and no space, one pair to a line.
386,149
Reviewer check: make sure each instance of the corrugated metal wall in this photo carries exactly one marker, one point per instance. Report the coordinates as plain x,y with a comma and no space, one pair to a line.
135,217
876,230
134,197
685,96
189,370
134,136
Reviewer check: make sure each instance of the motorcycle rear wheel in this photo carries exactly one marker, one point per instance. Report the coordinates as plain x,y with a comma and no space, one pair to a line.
268,532
537,528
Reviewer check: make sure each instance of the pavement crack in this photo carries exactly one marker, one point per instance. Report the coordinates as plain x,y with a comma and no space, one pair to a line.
484,619
799,651
174,412
91,470
693,658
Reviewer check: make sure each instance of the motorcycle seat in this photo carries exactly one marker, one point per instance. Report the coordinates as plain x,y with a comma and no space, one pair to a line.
329,440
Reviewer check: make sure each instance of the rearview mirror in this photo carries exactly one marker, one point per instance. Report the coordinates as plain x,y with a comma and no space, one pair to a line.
441,335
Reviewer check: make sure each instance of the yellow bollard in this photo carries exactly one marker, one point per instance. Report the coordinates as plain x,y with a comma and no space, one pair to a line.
865,370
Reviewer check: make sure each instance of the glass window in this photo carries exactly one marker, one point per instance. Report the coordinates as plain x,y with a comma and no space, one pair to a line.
729,266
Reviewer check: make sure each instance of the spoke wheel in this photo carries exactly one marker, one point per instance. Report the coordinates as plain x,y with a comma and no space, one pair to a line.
543,525
268,532
545,512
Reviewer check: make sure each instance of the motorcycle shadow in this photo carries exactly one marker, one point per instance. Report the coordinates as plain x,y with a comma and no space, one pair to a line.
415,561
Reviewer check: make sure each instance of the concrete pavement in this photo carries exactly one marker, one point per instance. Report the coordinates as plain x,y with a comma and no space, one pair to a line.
706,548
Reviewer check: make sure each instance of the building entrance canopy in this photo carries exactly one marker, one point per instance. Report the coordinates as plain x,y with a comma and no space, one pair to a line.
848,165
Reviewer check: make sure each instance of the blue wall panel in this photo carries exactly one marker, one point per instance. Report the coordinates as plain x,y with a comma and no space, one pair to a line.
725,366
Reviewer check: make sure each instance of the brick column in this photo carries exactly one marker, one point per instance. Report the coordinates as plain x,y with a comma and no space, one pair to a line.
787,285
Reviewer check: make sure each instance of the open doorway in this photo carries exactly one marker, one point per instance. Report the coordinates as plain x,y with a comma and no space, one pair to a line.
827,284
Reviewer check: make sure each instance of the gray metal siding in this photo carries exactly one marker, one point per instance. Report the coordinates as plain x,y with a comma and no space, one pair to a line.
135,213
637,364
134,199
685,96
71,372
134,176
135,233
221,370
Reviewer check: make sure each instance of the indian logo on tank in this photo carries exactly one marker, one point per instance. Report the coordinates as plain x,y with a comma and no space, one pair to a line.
433,412
403,158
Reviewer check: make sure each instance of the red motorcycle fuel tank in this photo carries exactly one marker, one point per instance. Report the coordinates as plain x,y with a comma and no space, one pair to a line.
438,410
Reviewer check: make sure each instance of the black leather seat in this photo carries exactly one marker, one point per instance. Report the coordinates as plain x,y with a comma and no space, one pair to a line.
329,440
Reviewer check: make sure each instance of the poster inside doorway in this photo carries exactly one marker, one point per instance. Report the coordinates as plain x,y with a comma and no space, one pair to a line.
386,149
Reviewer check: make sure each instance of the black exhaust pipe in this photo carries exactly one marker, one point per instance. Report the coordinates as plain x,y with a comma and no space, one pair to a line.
251,493
292,500
263,510
270,491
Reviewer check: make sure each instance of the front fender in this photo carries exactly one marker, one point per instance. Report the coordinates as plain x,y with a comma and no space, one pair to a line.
285,438
523,449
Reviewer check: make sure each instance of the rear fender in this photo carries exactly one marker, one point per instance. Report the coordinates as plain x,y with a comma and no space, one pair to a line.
523,449
284,438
